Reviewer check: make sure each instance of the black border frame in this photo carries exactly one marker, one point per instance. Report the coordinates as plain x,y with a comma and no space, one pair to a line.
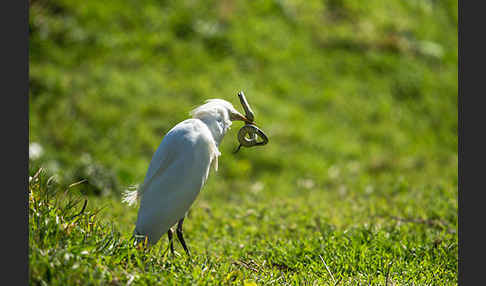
14,24
471,151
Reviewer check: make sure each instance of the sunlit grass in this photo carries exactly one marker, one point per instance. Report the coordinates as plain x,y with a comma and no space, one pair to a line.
292,240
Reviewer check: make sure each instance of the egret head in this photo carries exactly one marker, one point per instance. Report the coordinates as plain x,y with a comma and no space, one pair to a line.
219,110
217,114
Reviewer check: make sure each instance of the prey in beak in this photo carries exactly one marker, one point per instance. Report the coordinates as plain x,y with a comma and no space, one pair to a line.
249,118
249,133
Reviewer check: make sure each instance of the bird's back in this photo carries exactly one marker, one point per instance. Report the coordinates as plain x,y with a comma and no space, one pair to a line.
177,172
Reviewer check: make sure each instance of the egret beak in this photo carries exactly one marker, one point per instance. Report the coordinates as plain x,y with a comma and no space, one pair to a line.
238,116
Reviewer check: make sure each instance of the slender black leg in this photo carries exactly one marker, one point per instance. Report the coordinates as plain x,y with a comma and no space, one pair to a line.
171,242
181,237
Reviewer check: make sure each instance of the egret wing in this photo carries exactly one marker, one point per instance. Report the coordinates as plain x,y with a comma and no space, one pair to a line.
168,150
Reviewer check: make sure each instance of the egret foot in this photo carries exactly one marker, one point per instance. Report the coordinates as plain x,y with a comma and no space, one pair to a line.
180,236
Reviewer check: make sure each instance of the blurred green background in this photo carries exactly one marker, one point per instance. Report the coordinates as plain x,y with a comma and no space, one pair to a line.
358,99
333,83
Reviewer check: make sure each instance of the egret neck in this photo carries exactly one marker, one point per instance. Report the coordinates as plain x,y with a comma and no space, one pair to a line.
218,128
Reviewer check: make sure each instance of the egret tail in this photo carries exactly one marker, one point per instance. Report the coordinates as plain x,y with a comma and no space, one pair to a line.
130,196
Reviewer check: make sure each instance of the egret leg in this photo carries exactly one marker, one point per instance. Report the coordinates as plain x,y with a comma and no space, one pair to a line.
171,242
181,237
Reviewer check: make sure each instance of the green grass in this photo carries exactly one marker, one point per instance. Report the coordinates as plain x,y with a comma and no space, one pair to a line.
359,103
287,241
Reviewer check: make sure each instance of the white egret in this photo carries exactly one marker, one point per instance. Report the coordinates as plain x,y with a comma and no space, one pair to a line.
178,170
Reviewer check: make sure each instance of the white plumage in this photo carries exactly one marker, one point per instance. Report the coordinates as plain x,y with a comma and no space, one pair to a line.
179,168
